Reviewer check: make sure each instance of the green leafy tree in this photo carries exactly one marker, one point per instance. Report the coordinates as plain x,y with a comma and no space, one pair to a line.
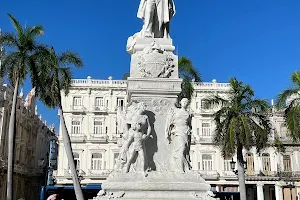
241,123
57,75
189,74
16,65
288,102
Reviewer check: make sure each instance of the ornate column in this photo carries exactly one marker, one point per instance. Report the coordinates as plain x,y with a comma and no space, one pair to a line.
260,191
278,191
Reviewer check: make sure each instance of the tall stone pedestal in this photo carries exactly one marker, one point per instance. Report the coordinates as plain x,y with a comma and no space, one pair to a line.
154,81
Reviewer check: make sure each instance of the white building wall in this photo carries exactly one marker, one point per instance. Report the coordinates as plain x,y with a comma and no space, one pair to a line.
111,90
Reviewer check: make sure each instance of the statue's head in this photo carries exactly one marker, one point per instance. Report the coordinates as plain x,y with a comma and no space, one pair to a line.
141,107
184,102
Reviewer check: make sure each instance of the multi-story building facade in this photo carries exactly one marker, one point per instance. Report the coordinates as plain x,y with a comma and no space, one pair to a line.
32,140
90,115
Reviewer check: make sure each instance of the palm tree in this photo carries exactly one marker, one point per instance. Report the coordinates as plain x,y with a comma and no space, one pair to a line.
288,101
188,73
57,75
16,65
241,123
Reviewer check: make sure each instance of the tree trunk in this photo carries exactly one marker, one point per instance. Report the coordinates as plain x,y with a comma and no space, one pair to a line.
241,173
11,135
68,149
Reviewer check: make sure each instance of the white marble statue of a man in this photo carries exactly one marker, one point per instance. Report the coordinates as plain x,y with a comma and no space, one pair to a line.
156,15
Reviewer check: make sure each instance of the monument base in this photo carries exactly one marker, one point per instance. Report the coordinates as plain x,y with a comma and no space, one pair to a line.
157,185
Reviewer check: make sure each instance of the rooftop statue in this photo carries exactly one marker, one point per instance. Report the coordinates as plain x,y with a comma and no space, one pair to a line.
156,15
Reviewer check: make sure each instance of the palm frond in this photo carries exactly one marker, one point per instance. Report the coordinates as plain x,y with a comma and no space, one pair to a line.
283,97
65,80
215,100
188,73
186,68
296,78
56,75
259,105
187,89
16,24
9,40
293,123
241,121
278,145
69,57
37,30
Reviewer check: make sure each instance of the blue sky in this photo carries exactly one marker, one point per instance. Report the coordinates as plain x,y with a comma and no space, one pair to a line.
257,41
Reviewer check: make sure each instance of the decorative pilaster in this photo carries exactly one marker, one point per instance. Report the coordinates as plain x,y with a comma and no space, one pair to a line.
260,191
278,192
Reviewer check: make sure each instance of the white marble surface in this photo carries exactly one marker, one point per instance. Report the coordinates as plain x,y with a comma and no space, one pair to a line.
156,15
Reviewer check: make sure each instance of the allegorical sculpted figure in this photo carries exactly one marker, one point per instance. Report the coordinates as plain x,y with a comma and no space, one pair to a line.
178,132
123,122
156,15
139,131
136,129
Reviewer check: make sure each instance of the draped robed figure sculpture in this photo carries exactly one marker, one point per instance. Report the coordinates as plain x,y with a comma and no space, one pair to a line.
156,15
178,133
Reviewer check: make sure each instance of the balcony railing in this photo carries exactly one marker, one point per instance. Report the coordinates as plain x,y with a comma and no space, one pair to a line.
251,172
94,82
80,108
102,137
77,136
261,173
211,85
205,139
97,108
228,174
123,83
209,174
99,172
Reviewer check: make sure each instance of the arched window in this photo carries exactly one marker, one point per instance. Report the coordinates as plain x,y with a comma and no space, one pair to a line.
266,163
250,164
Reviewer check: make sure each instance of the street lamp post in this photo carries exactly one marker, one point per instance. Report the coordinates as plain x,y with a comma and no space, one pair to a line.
232,166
